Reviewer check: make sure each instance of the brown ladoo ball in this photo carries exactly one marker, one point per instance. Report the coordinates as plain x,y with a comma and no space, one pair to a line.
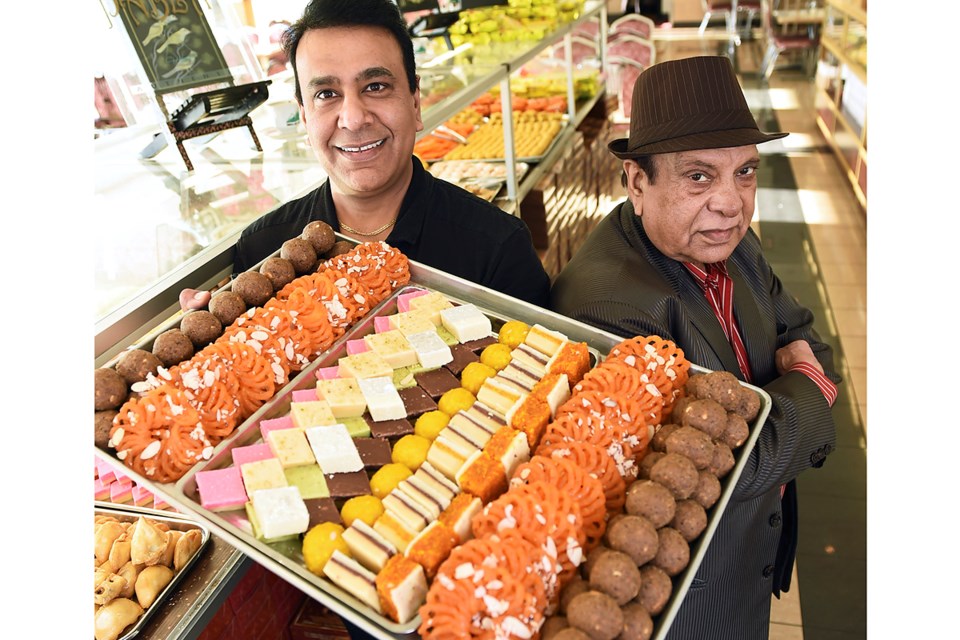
651,500
749,404
596,614
736,431
102,423
280,271
172,347
109,389
677,473
692,443
721,386
647,462
227,306
254,287
571,590
570,633
635,536
690,519
708,490
706,415
655,588
673,552
616,574
300,253
723,460
592,556
339,247
554,625
637,623
135,364
659,440
320,235
202,327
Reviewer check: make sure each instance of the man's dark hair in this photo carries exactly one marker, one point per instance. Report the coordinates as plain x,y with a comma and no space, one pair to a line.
327,14
648,166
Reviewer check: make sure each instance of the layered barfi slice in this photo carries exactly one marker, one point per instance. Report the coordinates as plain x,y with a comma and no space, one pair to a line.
367,546
353,578
402,588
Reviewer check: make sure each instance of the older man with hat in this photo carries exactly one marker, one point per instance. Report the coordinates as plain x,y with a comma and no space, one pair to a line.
678,259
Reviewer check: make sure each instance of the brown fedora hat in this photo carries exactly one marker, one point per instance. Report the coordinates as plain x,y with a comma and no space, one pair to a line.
687,104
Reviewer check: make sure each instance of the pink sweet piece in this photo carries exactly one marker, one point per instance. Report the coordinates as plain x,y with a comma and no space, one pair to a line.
403,300
101,490
122,481
161,504
251,453
105,471
221,489
271,424
328,373
142,496
120,493
304,395
356,346
381,324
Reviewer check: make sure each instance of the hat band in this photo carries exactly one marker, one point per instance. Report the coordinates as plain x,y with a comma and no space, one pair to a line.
691,125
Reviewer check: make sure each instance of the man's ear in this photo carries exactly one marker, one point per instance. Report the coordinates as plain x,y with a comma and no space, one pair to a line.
635,181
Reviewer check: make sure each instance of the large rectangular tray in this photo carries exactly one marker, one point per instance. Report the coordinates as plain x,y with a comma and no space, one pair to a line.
129,513
496,305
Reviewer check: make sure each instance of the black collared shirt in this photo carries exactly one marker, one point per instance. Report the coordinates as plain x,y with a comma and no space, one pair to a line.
440,225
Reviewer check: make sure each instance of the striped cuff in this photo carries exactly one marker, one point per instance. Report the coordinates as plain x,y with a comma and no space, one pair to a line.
826,386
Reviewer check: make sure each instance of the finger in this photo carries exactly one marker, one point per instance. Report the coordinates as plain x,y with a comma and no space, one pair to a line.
193,299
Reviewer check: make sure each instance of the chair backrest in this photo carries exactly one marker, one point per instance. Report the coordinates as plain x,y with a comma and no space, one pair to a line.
633,47
634,23
582,49
624,73
773,29
589,29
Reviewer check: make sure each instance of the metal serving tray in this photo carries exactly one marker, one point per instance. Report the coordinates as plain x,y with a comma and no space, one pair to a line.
126,513
233,528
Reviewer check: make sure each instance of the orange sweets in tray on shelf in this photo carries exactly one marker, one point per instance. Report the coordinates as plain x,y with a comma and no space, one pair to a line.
170,418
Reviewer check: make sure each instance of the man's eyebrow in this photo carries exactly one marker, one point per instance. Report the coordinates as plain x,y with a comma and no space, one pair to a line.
375,72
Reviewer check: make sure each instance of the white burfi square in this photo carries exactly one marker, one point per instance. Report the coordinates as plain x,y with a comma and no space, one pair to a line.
280,512
431,350
466,322
262,474
290,447
410,322
334,449
343,395
311,413
393,347
383,399
431,304
368,364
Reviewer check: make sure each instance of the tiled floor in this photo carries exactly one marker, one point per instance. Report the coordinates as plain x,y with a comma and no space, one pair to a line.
814,232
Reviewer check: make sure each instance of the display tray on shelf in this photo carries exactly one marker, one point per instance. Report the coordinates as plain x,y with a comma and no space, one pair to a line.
482,178
130,514
498,134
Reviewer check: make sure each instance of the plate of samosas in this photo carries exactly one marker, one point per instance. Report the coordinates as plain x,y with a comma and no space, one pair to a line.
139,557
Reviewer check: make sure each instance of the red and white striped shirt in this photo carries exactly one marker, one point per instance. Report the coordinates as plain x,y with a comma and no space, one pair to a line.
717,286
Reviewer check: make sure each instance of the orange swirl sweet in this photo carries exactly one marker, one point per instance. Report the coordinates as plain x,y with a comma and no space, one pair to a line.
564,474
612,437
317,285
349,302
656,354
274,333
311,316
601,411
158,434
212,388
259,377
597,463
615,377
380,268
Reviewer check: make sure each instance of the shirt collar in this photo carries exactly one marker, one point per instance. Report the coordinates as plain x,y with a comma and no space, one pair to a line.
410,219
709,275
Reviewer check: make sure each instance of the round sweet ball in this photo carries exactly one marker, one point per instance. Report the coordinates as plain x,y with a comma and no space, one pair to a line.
736,431
673,551
254,287
596,614
679,405
693,385
708,490
320,235
690,519
616,574
102,423
569,633
651,500
300,253
172,347
227,306
637,623
554,625
339,248
692,443
655,588
722,387
723,460
280,271
659,440
202,327
706,415
677,473
591,559
647,462
748,406
635,536
135,364
109,389
571,590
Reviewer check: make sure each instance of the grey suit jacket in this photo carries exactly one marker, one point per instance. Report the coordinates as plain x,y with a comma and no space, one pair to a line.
618,281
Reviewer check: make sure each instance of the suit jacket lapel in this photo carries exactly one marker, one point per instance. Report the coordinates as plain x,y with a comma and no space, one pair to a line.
751,323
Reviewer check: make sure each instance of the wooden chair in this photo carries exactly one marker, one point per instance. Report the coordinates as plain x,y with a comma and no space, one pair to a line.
798,37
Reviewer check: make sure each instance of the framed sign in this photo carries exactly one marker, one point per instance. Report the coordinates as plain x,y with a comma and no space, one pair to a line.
174,43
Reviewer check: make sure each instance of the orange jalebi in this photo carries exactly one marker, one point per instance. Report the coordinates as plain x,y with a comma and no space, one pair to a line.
596,462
